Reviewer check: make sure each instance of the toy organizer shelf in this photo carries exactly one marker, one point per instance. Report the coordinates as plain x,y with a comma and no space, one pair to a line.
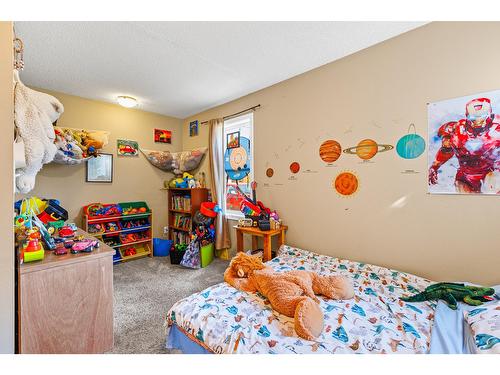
182,205
123,232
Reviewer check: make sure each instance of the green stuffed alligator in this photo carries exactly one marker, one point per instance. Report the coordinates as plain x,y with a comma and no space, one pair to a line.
453,292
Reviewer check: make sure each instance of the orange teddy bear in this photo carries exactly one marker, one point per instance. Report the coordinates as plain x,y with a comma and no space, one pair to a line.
291,293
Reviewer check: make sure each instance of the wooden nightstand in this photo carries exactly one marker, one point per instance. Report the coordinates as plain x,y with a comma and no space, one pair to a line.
265,234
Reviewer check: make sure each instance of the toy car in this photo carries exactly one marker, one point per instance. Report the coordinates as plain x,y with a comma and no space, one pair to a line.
66,231
85,246
60,249
68,244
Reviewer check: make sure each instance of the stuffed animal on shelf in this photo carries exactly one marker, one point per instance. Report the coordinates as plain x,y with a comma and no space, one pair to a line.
291,293
34,113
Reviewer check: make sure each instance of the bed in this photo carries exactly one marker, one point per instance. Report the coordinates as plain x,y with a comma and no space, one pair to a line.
222,319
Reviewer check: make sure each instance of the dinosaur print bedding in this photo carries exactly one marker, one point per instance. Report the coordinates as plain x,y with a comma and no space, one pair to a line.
223,319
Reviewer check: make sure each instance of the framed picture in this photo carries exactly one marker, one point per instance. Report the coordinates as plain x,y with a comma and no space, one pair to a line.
100,169
127,148
464,145
233,140
193,128
163,136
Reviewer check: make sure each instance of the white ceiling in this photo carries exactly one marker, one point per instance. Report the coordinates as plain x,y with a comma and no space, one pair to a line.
182,68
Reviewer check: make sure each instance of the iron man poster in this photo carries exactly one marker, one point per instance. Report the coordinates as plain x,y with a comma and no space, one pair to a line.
464,145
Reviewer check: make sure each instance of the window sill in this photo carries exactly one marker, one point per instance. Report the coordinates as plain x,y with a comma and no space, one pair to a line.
234,217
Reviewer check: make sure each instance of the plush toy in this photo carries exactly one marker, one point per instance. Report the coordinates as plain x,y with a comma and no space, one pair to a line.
187,181
291,293
453,292
34,113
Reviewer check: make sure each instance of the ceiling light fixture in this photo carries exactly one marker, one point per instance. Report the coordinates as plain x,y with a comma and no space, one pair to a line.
127,101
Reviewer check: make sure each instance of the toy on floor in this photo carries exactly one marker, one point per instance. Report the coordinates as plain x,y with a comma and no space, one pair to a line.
291,293
453,292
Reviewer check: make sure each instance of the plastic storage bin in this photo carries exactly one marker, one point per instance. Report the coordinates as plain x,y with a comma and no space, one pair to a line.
207,254
125,206
176,256
161,247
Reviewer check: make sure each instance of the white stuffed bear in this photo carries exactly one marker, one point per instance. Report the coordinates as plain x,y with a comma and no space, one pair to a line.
34,114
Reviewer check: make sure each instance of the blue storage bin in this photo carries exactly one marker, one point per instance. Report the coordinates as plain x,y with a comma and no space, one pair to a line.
161,247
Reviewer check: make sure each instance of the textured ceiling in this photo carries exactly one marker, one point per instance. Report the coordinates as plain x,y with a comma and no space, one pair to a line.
182,68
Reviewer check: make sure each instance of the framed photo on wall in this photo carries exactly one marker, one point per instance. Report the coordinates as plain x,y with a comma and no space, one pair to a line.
125,147
163,136
193,128
100,169
233,140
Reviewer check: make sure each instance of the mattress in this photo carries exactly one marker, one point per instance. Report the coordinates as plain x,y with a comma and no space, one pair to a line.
222,319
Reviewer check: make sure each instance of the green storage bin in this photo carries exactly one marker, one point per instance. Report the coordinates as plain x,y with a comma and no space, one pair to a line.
126,205
207,254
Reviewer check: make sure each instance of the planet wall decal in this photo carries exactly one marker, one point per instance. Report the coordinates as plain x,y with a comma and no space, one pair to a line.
270,172
367,149
295,167
329,151
411,145
346,183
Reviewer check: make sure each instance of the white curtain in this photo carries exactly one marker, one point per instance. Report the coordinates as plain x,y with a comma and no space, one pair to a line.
216,153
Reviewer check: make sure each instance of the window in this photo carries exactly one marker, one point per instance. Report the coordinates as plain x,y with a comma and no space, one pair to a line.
238,162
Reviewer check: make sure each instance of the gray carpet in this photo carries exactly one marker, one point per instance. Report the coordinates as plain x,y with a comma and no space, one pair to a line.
144,290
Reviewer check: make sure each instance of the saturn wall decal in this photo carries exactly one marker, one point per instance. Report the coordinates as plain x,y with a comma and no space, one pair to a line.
367,149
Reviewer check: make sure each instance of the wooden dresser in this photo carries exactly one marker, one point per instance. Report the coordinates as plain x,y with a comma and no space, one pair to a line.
65,303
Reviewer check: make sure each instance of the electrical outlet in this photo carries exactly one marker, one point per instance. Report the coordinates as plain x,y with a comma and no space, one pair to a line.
165,230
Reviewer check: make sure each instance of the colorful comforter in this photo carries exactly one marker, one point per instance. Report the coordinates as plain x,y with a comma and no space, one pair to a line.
223,319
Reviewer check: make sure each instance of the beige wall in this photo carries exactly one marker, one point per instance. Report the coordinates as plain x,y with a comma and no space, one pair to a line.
377,93
134,178
6,192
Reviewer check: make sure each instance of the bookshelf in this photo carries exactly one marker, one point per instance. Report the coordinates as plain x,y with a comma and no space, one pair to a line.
182,205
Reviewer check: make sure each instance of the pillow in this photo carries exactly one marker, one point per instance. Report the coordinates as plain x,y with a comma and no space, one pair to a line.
484,322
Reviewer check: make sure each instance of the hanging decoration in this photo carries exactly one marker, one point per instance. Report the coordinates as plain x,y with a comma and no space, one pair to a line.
176,162
237,160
